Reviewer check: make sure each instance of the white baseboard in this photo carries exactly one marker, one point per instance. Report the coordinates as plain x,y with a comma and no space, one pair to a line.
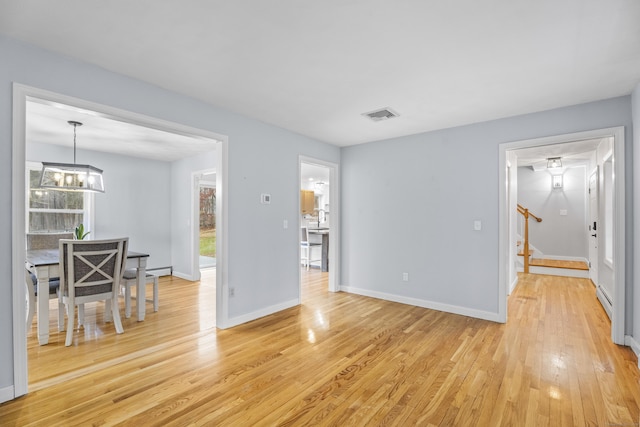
635,346
464,311
235,321
184,276
513,285
7,394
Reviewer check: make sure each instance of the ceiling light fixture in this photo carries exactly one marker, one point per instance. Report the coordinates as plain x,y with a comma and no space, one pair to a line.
71,177
554,162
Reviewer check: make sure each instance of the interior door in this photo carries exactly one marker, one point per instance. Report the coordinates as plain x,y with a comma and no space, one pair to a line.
593,227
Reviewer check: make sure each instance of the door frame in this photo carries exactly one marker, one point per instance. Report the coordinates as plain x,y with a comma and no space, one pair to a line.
196,183
594,271
20,95
334,224
618,315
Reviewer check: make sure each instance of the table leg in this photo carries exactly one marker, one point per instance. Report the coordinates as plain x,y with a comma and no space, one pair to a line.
141,291
42,274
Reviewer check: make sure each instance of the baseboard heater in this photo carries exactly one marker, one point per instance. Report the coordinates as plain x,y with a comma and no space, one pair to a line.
605,300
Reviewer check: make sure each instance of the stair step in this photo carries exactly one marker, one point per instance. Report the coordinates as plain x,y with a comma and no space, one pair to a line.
555,263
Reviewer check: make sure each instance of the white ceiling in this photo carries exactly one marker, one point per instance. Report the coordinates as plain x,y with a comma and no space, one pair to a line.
314,67
314,173
572,154
47,123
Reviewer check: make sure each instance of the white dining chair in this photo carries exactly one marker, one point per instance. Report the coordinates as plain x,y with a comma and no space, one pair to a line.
91,271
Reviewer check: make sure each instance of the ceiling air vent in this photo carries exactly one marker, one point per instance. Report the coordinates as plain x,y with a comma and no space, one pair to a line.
379,115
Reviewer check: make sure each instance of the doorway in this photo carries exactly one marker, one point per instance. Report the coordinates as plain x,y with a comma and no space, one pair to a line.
617,216
24,94
207,220
318,182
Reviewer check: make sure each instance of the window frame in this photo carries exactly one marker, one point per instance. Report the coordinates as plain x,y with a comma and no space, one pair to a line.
87,210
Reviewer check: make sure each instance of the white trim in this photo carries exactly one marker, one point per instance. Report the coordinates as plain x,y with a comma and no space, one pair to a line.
513,284
196,182
432,305
20,95
248,317
18,244
618,318
6,394
186,276
635,346
504,234
222,231
334,223
619,250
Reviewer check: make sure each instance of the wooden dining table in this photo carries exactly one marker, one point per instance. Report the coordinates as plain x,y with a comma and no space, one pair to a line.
44,263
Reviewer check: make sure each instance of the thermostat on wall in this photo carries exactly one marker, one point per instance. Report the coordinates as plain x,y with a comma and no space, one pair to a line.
265,199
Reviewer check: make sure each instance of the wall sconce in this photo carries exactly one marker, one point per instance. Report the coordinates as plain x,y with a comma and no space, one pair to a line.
556,181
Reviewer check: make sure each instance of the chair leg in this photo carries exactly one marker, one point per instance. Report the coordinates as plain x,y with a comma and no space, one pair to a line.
70,319
155,293
308,260
115,312
31,302
108,317
127,300
80,315
60,315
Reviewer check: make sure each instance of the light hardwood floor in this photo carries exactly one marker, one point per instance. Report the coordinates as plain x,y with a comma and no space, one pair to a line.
339,359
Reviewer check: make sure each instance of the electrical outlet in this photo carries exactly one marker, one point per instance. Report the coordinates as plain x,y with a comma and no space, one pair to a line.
232,292
405,277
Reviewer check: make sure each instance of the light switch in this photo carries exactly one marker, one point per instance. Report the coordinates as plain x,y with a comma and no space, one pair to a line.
265,199
563,212
285,224
477,225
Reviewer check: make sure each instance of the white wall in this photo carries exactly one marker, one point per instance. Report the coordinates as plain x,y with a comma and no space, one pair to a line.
557,236
261,159
408,205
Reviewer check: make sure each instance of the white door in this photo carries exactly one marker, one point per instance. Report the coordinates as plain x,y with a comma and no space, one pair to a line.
593,227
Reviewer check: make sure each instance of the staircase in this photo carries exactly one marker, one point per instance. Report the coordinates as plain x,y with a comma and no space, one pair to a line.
539,264
554,267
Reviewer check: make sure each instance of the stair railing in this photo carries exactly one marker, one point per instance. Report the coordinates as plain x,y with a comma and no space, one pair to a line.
525,250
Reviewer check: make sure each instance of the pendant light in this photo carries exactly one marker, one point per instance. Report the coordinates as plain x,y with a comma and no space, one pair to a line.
554,162
71,177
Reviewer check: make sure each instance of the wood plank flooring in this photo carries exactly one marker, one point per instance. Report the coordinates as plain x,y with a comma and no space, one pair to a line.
339,359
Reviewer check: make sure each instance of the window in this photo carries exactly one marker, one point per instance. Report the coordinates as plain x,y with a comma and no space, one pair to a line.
51,211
